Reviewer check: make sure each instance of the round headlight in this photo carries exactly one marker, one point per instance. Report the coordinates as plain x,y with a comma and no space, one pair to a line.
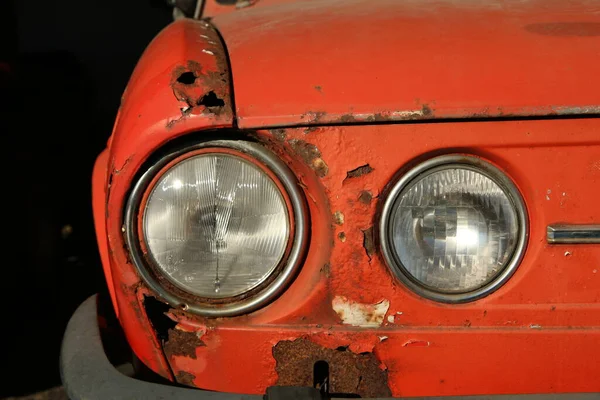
454,228
220,228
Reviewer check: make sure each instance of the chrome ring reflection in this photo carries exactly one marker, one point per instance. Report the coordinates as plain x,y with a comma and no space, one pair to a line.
283,275
469,234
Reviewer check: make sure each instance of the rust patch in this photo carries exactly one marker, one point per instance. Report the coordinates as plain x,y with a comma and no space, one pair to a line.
349,373
427,111
320,167
203,90
305,150
314,116
310,154
182,343
346,118
358,172
326,270
365,197
338,218
378,117
580,29
369,242
185,378
342,236
278,134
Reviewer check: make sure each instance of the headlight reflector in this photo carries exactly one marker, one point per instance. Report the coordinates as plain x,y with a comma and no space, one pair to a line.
218,228
454,228
216,225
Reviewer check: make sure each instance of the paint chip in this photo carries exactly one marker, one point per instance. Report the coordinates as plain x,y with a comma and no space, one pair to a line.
535,326
359,314
391,319
338,218
416,343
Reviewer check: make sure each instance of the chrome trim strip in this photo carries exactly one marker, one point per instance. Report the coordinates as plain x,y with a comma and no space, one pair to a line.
493,173
570,233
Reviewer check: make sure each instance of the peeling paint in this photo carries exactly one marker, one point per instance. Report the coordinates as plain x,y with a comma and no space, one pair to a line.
338,218
359,171
365,197
310,154
369,242
358,314
182,343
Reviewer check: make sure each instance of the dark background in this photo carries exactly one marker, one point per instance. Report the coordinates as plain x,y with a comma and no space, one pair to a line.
63,68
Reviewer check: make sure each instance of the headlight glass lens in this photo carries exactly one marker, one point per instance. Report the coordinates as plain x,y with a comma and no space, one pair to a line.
216,225
453,229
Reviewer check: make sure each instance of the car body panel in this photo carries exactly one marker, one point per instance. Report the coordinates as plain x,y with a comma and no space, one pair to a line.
292,68
549,309
164,99
330,61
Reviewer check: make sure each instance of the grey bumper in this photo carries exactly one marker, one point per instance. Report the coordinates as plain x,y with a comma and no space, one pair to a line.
87,374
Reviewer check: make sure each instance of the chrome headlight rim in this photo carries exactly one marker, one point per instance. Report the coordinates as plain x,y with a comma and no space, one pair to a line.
260,295
445,162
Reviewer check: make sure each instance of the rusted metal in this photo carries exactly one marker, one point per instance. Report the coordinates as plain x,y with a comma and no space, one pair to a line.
311,155
369,242
185,378
190,82
359,171
182,343
338,218
365,197
349,373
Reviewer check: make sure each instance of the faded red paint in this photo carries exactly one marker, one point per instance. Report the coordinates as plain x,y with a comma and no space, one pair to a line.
545,315
552,301
155,109
344,61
